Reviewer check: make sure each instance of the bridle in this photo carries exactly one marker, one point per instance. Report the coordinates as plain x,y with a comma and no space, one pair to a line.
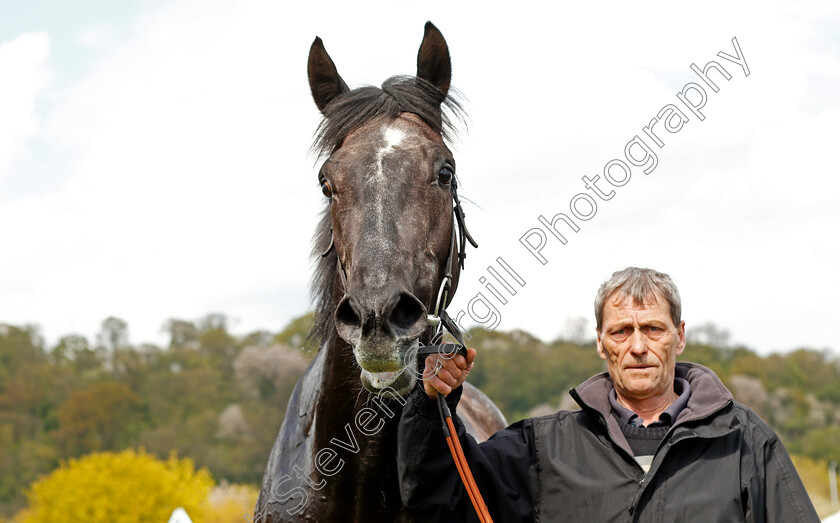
438,320
462,235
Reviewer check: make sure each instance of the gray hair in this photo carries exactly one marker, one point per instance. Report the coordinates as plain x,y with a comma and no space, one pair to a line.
638,284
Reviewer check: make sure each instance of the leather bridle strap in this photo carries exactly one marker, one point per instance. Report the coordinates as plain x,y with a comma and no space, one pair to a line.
342,274
441,319
460,236
462,225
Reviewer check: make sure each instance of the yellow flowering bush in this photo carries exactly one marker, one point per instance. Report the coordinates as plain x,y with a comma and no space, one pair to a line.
231,504
124,487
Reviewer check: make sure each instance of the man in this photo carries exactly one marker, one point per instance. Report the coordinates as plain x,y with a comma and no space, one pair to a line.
655,440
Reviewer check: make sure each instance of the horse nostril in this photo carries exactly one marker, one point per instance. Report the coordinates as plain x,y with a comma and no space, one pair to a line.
346,316
407,313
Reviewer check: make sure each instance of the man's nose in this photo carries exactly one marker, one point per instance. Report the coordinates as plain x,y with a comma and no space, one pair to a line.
637,342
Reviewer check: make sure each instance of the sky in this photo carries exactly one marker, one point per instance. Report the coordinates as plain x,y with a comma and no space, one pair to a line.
154,158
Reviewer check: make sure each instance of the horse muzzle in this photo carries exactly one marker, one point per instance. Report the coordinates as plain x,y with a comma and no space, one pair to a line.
384,330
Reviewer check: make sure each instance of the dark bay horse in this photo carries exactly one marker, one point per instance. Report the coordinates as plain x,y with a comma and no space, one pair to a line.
383,248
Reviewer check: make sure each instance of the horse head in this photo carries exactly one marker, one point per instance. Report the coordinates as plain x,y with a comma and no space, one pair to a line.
388,226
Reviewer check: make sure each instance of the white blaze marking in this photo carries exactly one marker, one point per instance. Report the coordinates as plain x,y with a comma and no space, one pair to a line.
393,137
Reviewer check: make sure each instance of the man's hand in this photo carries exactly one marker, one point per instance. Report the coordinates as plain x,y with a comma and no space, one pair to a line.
442,374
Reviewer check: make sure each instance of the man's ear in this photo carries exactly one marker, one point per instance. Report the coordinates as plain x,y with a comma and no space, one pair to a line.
601,352
324,81
681,334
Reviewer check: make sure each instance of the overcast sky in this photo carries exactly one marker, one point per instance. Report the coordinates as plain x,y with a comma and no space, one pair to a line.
153,156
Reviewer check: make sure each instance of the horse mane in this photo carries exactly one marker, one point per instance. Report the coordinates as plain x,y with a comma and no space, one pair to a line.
398,94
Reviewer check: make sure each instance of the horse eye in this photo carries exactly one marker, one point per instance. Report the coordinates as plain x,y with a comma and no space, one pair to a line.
325,188
445,176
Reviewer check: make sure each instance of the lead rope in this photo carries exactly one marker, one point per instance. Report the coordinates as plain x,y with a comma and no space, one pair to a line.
439,320
449,431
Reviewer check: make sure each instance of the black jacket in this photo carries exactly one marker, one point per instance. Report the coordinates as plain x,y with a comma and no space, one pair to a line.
718,462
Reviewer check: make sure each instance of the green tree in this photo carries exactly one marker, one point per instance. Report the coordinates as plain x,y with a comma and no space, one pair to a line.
822,444
296,333
113,334
182,333
19,346
74,351
215,341
101,417
65,351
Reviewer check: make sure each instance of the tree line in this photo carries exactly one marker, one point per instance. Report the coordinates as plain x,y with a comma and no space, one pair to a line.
219,398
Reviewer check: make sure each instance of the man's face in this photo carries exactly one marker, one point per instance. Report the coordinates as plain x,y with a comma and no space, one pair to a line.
641,345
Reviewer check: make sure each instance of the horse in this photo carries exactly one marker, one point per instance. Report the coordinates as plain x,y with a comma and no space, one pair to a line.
384,260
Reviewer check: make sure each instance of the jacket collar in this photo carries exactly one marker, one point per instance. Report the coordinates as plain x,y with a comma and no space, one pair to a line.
708,395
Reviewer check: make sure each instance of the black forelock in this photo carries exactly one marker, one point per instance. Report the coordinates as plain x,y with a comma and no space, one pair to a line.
398,94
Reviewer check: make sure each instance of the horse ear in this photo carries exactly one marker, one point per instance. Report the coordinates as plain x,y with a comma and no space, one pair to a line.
324,80
433,63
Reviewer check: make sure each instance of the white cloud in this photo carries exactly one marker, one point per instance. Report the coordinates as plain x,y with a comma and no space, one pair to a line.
179,162
24,75
188,188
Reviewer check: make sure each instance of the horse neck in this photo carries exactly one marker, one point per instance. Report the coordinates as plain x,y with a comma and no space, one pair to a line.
368,480
367,487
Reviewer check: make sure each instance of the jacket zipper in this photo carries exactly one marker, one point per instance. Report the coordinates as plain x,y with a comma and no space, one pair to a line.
665,441
644,475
